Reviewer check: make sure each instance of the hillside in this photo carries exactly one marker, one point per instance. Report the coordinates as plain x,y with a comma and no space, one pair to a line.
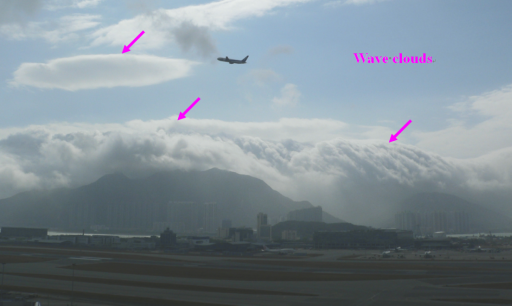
142,201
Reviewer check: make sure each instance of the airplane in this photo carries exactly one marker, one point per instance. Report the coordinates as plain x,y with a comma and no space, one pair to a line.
386,254
480,249
399,249
233,61
428,254
278,251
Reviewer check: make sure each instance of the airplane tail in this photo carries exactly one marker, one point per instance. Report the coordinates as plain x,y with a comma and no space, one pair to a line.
245,59
265,248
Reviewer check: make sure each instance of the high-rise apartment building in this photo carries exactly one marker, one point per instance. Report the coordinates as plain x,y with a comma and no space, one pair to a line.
289,235
265,232
262,219
184,217
210,218
189,217
226,223
427,223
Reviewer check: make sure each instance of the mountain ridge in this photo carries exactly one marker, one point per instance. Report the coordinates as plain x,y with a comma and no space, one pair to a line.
240,197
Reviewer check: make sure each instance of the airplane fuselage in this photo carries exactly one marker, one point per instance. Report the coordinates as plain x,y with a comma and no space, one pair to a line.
279,251
232,61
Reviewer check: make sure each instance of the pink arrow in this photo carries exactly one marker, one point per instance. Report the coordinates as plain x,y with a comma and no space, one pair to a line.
393,137
127,48
182,115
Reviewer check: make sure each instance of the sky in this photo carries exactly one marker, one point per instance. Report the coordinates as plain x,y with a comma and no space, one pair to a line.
302,114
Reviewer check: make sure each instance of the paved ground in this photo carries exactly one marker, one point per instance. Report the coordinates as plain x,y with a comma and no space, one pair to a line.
117,278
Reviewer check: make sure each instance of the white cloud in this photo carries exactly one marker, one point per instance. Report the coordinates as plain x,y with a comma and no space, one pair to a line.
304,159
63,29
161,24
62,4
346,2
289,96
101,71
86,3
464,140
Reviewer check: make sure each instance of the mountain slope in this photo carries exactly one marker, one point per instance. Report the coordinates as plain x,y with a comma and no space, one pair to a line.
140,202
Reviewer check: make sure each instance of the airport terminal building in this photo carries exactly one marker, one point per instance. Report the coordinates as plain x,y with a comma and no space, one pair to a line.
373,238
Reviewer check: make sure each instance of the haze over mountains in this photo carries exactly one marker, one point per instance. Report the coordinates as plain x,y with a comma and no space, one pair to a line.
483,219
239,197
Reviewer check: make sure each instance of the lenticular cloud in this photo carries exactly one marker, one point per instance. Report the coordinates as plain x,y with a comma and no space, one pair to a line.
101,71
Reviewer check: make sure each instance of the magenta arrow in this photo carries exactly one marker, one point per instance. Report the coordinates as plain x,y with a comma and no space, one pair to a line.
182,115
393,137
127,48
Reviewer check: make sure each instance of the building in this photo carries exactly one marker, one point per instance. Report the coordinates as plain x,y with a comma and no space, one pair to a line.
226,223
241,234
94,240
408,221
427,223
373,238
223,233
167,238
103,240
433,244
439,235
135,244
112,214
236,234
262,219
313,214
23,232
439,222
460,223
265,232
289,235
198,240
210,218
191,217
184,217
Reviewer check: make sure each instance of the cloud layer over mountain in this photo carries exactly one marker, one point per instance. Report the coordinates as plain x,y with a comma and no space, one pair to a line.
348,177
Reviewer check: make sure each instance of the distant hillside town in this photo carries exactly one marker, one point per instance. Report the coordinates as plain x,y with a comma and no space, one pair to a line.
453,222
221,211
